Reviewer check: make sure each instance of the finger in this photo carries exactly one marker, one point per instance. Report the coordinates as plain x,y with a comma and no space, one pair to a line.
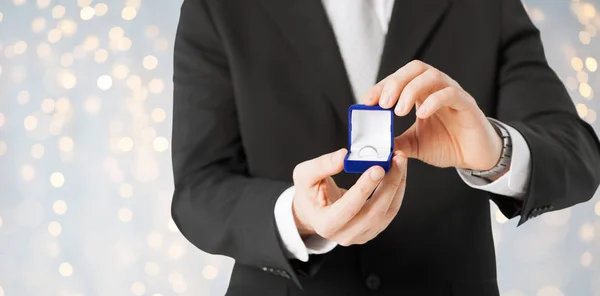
451,97
401,164
331,192
396,83
401,161
371,98
344,209
383,196
322,195
420,88
408,142
373,217
312,171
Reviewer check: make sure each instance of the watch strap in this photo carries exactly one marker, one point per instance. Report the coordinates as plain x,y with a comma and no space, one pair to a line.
505,156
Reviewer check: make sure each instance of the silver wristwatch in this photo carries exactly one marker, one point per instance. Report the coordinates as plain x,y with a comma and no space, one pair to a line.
505,156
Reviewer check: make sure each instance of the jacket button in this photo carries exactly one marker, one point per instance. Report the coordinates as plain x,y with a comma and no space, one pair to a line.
373,282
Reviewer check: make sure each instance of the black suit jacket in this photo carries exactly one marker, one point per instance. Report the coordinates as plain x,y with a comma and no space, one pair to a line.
260,87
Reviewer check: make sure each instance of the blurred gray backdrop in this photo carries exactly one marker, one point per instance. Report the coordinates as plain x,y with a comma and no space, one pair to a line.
85,172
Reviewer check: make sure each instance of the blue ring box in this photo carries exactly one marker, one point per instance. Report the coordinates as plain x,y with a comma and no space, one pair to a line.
371,127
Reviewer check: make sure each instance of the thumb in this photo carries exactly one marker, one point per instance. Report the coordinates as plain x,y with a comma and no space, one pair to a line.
312,171
408,143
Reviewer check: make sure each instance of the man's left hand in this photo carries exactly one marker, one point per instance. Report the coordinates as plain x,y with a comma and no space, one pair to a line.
450,129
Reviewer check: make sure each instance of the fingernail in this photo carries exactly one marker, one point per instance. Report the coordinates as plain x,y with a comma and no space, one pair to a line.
400,161
400,106
422,110
322,202
342,153
376,174
400,153
339,155
368,98
385,98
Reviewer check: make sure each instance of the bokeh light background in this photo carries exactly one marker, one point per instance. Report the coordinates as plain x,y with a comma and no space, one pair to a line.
85,172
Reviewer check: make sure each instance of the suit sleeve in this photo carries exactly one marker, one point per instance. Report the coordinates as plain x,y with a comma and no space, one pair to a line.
217,205
565,152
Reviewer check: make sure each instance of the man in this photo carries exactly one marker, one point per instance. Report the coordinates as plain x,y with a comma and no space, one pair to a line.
262,89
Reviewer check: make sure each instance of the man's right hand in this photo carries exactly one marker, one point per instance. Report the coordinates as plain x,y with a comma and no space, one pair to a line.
346,217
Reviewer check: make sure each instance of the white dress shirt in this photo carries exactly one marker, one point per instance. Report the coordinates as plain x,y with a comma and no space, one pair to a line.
513,184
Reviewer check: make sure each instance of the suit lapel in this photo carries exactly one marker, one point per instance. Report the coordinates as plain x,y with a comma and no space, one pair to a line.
412,22
306,26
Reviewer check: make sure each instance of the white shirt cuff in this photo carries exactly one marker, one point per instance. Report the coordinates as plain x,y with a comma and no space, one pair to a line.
294,246
514,183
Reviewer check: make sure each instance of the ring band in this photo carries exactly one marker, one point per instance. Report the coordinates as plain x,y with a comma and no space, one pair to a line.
368,151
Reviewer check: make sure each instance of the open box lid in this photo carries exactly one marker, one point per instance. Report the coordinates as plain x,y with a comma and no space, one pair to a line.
371,133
